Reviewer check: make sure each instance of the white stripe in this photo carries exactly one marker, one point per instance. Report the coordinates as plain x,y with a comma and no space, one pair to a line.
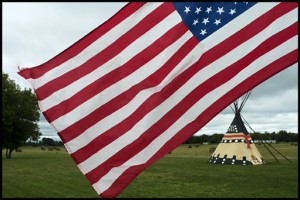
97,46
109,93
117,61
118,116
143,156
200,77
238,23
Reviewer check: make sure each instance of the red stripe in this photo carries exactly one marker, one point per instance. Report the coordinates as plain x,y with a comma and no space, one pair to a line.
247,141
104,56
250,30
83,43
191,128
236,135
152,80
207,58
77,128
175,113
114,76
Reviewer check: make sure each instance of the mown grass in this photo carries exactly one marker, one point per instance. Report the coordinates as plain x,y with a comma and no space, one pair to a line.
185,172
39,174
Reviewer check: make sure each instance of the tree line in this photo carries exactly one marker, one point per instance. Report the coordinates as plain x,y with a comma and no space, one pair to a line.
280,136
44,142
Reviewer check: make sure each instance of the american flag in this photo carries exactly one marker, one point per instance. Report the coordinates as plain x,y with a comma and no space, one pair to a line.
150,77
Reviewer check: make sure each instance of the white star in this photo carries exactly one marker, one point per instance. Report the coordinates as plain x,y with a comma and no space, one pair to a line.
232,11
205,21
220,10
198,10
217,22
195,22
203,32
208,9
187,9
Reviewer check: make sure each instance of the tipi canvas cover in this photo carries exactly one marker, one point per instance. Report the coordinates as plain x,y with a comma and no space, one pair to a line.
237,146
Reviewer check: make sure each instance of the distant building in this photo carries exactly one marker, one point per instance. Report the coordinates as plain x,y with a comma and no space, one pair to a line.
265,141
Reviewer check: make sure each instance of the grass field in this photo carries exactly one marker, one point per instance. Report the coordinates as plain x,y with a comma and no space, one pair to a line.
185,172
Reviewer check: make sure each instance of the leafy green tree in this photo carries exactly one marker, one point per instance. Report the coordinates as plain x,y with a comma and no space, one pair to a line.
20,115
282,136
48,141
216,138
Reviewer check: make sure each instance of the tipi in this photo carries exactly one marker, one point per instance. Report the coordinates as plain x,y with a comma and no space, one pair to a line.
237,146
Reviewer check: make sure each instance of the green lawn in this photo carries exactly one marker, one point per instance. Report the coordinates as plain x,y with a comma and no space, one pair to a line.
185,172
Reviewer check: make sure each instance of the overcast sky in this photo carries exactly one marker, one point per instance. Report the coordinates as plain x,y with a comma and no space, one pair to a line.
33,33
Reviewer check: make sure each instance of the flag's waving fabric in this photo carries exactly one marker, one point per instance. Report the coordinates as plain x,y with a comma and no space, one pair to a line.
151,76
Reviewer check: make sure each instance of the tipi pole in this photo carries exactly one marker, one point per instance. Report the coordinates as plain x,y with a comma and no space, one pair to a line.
280,153
260,140
269,150
245,98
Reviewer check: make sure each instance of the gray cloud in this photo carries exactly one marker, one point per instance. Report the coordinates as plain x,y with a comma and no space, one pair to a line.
33,33
46,128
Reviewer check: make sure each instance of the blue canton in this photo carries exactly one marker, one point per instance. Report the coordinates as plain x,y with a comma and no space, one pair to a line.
204,18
